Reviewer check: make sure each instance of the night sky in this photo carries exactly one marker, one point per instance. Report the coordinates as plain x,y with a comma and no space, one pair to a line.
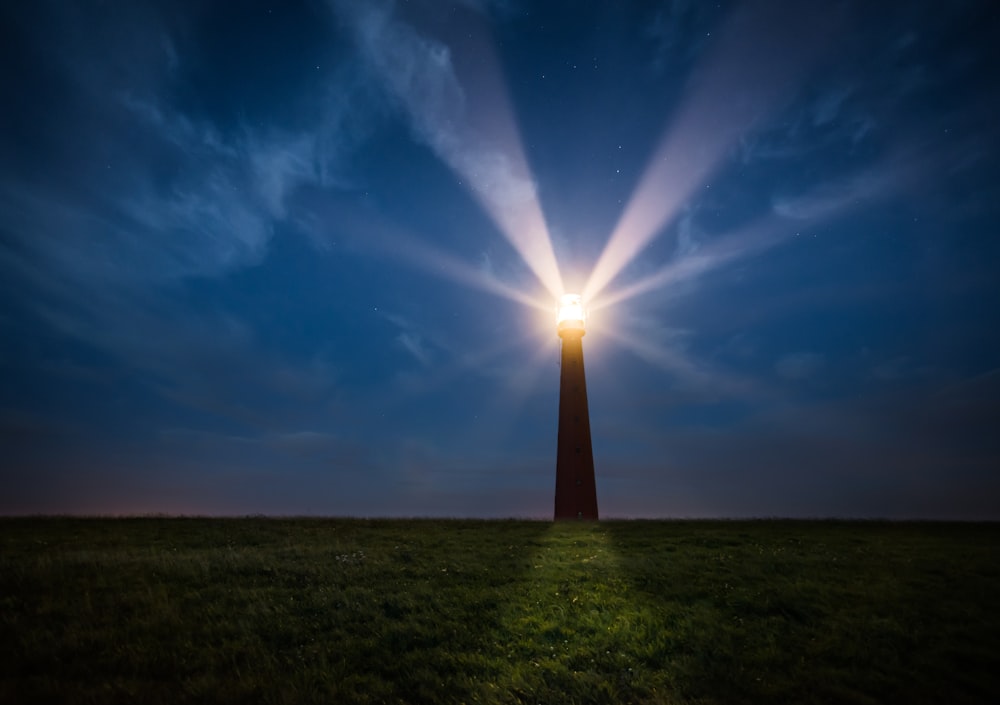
303,257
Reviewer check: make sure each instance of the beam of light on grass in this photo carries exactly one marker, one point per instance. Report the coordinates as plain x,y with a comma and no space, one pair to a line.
742,81
453,91
564,614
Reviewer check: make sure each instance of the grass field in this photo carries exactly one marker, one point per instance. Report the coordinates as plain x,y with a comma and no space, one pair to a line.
354,611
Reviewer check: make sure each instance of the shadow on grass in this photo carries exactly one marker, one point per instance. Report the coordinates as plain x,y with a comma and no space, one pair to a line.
814,612
438,611
261,610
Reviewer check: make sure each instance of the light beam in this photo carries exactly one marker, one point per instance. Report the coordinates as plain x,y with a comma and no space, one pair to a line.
741,83
490,155
685,370
791,215
392,241
744,243
455,96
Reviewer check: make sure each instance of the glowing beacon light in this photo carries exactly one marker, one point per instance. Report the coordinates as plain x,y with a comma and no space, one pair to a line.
570,315
576,489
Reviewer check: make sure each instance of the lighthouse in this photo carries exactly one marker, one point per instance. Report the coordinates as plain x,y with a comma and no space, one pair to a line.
576,489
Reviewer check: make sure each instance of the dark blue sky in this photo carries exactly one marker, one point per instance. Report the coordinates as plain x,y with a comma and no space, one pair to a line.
302,258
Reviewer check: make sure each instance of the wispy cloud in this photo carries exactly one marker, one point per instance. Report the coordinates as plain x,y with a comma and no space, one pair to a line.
424,344
678,29
130,195
836,197
468,125
128,184
800,365
414,345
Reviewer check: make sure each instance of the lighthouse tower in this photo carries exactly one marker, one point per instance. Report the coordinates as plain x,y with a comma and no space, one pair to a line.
576,490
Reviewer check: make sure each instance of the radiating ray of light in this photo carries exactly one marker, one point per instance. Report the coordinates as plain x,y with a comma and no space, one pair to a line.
452,88
493,161
804,212
743,80
439,262
663,357
745,243
519,386
515,391
372,232
438,377
674,361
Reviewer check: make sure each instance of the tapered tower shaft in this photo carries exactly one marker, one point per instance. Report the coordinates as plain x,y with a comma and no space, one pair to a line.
576,489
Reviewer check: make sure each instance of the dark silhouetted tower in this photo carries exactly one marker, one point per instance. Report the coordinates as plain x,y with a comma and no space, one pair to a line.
576,489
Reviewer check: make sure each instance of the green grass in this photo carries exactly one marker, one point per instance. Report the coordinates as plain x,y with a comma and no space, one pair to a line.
355,611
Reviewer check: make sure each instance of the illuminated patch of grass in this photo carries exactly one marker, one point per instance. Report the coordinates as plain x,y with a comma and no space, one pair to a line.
354,611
